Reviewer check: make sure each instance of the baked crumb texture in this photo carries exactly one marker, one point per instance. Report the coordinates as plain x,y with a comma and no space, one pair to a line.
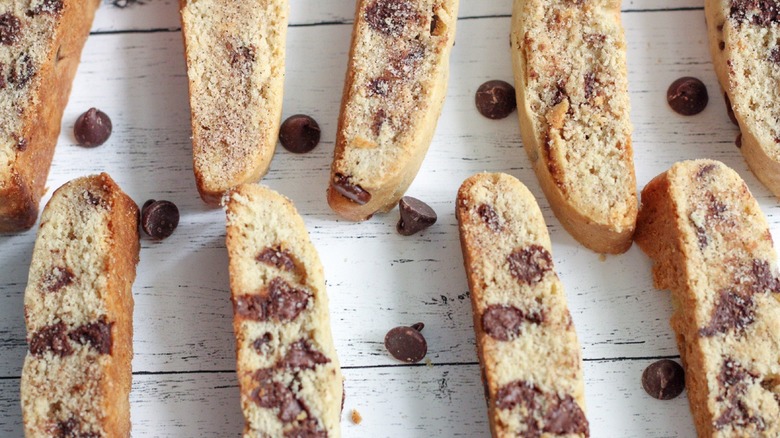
528,349
711,246
569,61
78,308
395,87
291,384
40,48
744,38
235,64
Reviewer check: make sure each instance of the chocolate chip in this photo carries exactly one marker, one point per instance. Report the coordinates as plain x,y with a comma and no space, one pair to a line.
21,144
407,343
732,311
759,12
664,379
543,412
704,170
272,395
774,55
307,429
379,119
391,17
147,204
52,338
490,217
738,140
734,381
58,278
242,57
96,334
160,219
51,7
730,110
92,128
590,84
495,99
22,71
71,428
415,216
302,356
285,302
529,265
379,86
763,278
261,344
93,199
342,185
10,29
502,322
276,257
299,134
687,96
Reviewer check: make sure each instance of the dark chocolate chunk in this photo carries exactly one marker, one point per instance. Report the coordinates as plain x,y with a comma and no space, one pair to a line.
774,55
307,429
92,128
415,216
242,58
272,395
490,217
505,322
590,84
58,278
733,311
97,334
93,199
71,428
10,29
22,71
560,416
734,381
559,94
391,17
664,379
758,12
495,99
21,144
52,338
250,306
276,257
260,344
407,343
302,356
763,278
148,203
687,96
379,86
160,219
704,171
353,192
529,265
299,134
285,302
379,119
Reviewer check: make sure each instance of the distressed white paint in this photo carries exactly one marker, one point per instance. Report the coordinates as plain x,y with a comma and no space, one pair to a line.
376,278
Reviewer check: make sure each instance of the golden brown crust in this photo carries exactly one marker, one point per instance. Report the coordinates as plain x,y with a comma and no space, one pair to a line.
383,163
89,229
41,123
710,245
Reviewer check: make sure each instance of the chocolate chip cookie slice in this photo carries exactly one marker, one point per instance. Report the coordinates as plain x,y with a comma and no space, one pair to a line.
711,246
40,50
744,38
527,346
393,95
569,61
235,64
288,371
78,309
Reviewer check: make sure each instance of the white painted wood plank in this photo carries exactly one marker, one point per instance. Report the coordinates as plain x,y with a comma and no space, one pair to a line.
377,279
123,15
441,401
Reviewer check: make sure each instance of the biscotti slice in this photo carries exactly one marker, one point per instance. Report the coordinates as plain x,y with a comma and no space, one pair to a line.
78,308
711,246
745,45
40,49
393,95
528,349
235,64
288,371
569,61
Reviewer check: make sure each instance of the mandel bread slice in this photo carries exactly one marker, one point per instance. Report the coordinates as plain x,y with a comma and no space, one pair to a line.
569,60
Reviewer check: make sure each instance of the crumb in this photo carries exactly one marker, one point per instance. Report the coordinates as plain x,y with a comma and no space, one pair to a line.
602,257
356,418
428,363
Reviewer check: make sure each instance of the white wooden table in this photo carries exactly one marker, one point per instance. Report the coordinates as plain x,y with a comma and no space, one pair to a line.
184,384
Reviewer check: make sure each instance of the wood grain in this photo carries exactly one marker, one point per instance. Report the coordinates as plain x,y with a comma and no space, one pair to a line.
377,279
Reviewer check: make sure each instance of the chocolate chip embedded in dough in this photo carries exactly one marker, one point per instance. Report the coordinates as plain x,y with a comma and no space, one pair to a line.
95,334
52,338
391,17
489,217
529,265
285,302
10,29
59,277
303,356
342,185
276,257
732,311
